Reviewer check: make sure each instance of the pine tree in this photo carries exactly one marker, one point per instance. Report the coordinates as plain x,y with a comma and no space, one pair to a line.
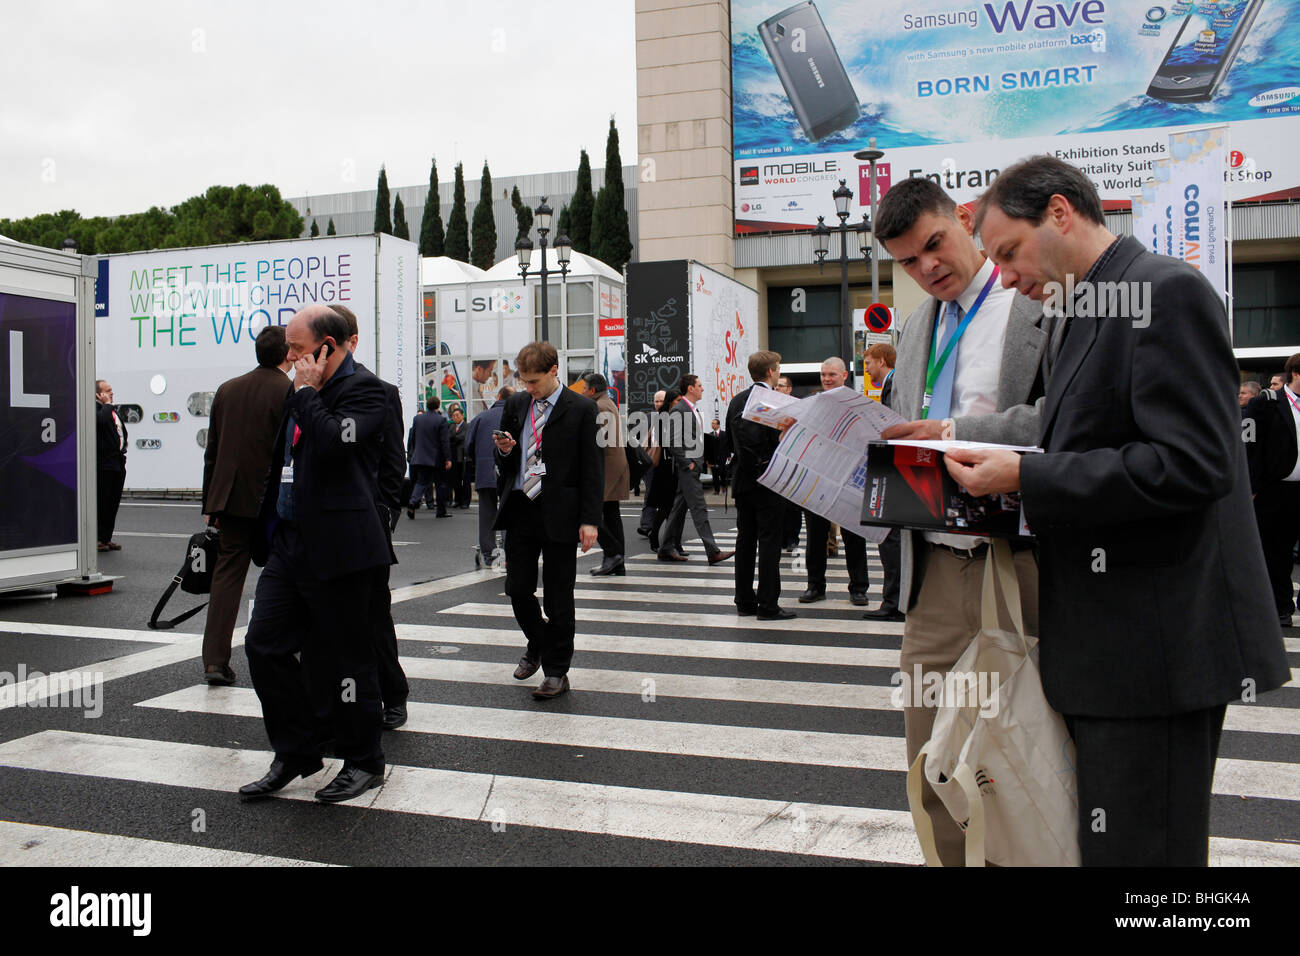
432,238
582,207
315,229
523,215
564,223
330,231
383,221
400,229
485,226
458,221
611,238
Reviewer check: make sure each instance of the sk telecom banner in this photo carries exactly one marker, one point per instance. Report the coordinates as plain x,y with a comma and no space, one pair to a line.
724,328
658,329
956,91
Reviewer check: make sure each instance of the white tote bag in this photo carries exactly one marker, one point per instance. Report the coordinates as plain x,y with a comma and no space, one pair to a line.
1004,767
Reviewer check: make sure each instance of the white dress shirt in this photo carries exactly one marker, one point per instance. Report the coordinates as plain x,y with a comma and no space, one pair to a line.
979,365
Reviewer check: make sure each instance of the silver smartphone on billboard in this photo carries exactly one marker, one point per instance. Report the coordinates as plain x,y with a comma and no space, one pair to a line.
810,70
1203,51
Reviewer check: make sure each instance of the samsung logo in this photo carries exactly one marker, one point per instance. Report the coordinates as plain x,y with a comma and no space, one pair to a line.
816,73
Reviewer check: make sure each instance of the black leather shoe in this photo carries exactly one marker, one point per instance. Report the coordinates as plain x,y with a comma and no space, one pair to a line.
858,597
1284,620
744,611
394,716
719,556
780,614
643,532
219,675
527,668
410,513
812,595
281,774
613,565
351,782
671,556
883,613
552,687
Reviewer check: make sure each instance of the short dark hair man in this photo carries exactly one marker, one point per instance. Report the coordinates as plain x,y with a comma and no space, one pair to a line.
428,449
1277,381
551,490
1154,606
684,455
481,450
311,614
242,428
760,512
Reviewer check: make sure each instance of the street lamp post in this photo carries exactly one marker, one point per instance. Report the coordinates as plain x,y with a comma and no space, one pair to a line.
821,246
870,156
563,251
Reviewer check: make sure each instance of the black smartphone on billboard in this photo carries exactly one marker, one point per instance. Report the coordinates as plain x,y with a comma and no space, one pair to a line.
1203,51
810,70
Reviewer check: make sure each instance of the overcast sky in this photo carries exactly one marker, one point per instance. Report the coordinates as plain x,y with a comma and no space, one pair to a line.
110,108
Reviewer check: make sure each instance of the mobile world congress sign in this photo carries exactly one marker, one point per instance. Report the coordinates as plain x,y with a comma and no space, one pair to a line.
958,90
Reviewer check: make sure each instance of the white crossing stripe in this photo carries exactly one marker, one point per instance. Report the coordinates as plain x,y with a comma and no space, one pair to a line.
99,633
25,844
692,686
819,625
832,602
664,646
680,738
856,833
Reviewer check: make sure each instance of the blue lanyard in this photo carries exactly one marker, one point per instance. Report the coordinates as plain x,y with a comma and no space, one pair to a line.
937,361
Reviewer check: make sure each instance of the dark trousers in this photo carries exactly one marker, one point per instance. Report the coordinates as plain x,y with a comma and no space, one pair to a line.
427,478
227,587
892,560
462,476
690,495
793,522
487,517
1144,787
855,554
108,495
393,688
760,517
1277,513
610,533
647,509
328,624
550,639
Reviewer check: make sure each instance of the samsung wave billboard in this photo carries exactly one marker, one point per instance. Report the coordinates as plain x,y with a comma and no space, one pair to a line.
956,91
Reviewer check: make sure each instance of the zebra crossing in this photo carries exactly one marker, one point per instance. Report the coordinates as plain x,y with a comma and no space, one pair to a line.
691,733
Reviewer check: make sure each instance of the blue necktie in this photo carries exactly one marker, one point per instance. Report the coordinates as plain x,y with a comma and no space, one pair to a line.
941,399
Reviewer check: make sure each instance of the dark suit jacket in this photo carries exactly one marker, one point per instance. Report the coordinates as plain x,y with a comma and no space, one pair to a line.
1147,473
887,390
246,412
753,445
1271,456
573,489
480,446
110,454
429,440
336,468
684,439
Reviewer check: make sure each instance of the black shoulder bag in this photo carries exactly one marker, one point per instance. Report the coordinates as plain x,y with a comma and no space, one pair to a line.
194,577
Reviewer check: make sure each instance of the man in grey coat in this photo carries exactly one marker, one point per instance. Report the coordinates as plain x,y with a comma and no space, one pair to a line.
481,450
980,393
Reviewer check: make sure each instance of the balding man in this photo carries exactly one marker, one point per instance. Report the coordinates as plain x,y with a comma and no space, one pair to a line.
834,374
320,540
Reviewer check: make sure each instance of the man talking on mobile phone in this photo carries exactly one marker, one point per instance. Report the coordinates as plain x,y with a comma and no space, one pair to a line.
320,541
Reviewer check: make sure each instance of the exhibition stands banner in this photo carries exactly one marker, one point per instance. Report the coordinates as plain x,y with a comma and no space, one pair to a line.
956,91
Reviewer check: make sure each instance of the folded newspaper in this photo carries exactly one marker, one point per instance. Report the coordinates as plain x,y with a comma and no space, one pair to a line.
821,463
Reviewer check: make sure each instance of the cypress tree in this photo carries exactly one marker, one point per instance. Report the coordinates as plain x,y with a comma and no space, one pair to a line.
383,222
433,240
458,222
485,227
611,238
400,229
564,224
523,215
330,231
582,207
315,229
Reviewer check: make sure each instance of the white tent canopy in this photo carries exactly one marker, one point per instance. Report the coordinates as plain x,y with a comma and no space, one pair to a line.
440,270
580,266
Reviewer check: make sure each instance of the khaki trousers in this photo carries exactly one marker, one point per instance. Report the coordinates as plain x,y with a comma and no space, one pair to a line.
939,627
